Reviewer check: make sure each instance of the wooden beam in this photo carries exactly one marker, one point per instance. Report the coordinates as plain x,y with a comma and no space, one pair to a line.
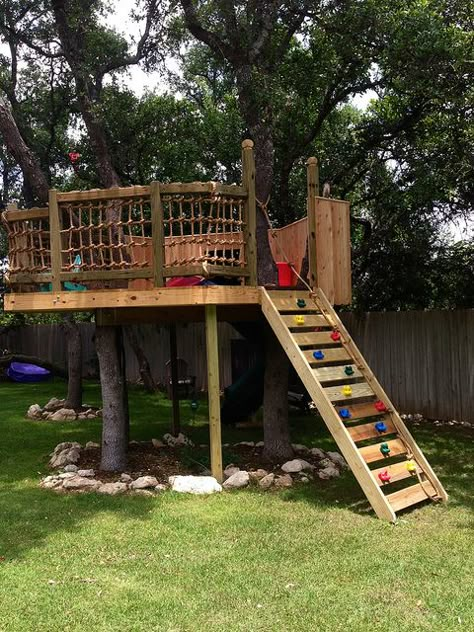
103,194
14,215
55,240
248,180
312,172
214,392
158,234
176,423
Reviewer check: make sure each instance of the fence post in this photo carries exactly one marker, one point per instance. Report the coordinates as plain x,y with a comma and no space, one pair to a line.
250,232
213,391
158,234
55,241
312,173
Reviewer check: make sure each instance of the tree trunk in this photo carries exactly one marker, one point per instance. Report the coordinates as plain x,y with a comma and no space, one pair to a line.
23,155
277,448
143,364
74,363
114,413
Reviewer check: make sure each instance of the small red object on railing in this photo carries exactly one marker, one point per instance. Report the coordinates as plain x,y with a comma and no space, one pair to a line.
335,335
380,407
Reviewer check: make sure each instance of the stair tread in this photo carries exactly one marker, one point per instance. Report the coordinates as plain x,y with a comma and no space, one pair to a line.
369,431
310,320
397,471
412,495
315,338
361,411
371,453
362,389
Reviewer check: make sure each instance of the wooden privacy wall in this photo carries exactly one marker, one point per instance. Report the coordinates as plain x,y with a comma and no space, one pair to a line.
422,359
333,247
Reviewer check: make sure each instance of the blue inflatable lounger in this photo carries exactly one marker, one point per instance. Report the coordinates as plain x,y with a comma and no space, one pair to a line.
27,373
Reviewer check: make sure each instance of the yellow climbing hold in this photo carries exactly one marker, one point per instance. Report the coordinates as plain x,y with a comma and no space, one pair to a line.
346,390
299,320
411,467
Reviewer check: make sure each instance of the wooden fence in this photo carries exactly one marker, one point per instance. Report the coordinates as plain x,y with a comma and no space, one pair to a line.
422,359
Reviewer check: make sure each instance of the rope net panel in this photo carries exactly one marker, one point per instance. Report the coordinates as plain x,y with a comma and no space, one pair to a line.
203,228
105,234
28,246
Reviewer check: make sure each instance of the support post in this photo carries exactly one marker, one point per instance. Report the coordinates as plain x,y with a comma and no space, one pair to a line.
158,234
312,172
213,392
176,423
250,231
55,240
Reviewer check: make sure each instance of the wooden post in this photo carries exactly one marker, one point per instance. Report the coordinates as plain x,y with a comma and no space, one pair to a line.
55,240
250,232
213,392
312,172
176,423
158,234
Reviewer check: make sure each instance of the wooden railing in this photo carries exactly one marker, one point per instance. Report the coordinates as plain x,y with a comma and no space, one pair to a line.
143,232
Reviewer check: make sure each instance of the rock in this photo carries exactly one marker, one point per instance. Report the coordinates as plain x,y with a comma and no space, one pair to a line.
65,475
112,489
299,447
304,479
257,475
82,416
45,414
259,444
52,484
65,445
239,479
98,412
70,468
194,484
54,403
34,411
143,492
157,443
328,472
245,444
125,478
134,442
283,481
177,442
65,455
318,453
296,465
230,470
86,473
91,445
161,487
267,481
338,459
325,463
64,414
143,482
91,415
81,482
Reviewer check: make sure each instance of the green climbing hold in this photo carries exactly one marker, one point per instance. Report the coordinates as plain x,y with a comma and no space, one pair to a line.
301,302
349,370
385,449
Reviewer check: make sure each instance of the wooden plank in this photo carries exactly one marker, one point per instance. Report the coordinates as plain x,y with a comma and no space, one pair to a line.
340,212
371,453
335,394
176,421
330,355
314,338
289,242
158,297
158,235
336,374
412,495
107,275
55,241
25,214
310,320
397,472
312,174
368,431
214,392
250,229
325,247
361,411
202,187
327,411
25,277
206,270
328,311
104,194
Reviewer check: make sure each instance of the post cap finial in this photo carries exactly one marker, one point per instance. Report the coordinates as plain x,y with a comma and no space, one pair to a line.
247,143
312,161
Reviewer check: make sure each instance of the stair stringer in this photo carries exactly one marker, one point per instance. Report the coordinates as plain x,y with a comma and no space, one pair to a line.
337,429
328,311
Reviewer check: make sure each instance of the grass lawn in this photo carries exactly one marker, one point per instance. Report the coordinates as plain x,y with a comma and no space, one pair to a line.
309,558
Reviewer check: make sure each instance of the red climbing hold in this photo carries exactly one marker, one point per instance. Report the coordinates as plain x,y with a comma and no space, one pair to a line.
380,406
384,476
335,336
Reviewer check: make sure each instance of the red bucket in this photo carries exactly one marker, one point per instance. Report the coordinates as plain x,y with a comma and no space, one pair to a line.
286,276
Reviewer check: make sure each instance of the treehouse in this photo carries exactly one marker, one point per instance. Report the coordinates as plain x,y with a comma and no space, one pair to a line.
187,251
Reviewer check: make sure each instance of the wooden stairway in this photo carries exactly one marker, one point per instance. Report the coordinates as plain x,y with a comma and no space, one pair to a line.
351,402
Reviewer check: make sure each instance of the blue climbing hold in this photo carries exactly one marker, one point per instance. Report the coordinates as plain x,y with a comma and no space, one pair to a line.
318,355
380,427
301,303
345,413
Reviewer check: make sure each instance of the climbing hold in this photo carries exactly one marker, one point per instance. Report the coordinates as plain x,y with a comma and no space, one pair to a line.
380,406
380,427
301,303
349,370
347,391
318,355
345,413
335,335
299,320
411,467
384,476
385,449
